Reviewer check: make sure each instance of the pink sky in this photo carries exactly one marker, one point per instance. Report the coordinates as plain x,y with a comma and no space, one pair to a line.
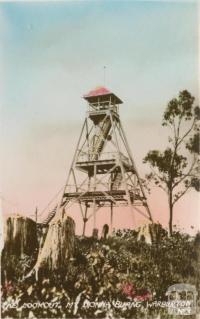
40,174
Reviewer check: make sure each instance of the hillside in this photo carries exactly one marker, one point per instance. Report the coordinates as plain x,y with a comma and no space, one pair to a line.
117,277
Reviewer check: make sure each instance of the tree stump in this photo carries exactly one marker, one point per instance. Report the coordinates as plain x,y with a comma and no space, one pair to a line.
105,231
151,233
58,246
20,236
20,246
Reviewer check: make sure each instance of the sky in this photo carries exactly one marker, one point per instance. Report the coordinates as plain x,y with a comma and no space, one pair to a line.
52,53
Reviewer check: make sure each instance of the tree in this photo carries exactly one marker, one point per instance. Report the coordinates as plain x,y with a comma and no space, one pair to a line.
176,169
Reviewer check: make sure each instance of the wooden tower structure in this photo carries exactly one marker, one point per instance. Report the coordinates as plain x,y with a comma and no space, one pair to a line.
102,172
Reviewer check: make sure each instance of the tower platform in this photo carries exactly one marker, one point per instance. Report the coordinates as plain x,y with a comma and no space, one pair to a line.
103,166
112,196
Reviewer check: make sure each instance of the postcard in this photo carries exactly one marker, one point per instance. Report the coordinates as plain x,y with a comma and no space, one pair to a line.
100,159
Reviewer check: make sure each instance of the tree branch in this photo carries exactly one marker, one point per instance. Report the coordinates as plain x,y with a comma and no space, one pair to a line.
185,175
177,143
183,137
174,126
160,179
179,125
182,193
176,138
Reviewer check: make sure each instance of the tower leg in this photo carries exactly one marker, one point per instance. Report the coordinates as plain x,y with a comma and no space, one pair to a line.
94,201
71,168
136,173
111,218
121,166
94,213
85,220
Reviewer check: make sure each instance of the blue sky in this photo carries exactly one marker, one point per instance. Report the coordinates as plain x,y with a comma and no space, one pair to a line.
53,53
148,48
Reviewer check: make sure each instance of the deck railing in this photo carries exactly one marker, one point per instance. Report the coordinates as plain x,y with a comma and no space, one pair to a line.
106,156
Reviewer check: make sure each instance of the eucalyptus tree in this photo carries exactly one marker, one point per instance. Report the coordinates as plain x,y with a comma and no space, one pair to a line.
176,168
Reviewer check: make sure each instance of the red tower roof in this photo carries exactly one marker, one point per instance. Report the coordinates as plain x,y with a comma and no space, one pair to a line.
103,93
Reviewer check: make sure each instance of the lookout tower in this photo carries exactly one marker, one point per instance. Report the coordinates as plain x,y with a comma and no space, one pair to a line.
103,173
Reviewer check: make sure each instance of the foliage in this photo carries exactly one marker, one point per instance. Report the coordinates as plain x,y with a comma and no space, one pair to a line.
176,169
117,268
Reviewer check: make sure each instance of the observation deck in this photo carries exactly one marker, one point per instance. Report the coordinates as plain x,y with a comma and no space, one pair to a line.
103,162
103,198
100,101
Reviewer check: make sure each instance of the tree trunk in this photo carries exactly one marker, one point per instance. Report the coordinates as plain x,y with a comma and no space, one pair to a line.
170,213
